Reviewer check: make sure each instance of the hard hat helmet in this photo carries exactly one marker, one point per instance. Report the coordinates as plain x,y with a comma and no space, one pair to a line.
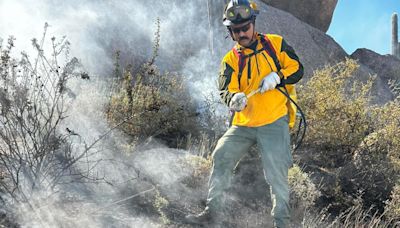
239,11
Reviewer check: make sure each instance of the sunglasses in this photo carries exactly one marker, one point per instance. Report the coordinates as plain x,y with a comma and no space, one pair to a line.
244,12
243,28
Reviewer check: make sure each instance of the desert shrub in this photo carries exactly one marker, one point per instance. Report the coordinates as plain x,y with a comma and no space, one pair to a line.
200,170
392,209
35,154
376,170
337,112
377,158
152,103
387,118
155,105
201,166
160,203
351,138
304,192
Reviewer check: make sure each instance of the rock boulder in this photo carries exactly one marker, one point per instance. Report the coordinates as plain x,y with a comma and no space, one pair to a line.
386,67
317,13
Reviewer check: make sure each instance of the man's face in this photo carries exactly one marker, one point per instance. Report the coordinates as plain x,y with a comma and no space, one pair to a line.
243,33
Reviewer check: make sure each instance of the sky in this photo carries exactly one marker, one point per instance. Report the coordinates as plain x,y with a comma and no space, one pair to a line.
364,24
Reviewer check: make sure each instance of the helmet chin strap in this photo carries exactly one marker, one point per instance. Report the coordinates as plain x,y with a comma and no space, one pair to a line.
230,33
254,28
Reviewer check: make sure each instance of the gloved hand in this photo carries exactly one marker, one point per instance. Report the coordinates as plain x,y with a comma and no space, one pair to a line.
238,102
269,82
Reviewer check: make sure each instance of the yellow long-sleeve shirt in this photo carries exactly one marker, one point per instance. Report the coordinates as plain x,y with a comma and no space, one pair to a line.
263,108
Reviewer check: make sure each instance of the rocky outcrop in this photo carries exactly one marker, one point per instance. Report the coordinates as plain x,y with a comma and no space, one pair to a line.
317,13
386,67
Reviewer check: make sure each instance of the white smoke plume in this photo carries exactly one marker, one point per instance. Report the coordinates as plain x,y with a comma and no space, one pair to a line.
96,29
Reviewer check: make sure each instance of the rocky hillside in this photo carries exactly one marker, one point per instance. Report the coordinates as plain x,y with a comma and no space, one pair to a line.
386,67
317,13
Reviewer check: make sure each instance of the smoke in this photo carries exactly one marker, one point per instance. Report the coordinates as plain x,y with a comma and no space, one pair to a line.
191,39
127,179
96,29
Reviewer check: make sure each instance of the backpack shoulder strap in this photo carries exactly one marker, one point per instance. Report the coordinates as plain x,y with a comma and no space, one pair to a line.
242,61
267,46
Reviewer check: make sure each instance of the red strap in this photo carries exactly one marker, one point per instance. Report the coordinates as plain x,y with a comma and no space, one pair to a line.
241,58
269,44
269,48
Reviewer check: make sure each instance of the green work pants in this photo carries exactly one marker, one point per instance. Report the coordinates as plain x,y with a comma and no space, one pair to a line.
273,140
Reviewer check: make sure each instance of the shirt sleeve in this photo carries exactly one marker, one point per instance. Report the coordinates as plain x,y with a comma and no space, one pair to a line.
292,69
226,83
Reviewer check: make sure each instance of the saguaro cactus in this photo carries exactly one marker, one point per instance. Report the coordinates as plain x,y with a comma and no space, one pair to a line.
395,40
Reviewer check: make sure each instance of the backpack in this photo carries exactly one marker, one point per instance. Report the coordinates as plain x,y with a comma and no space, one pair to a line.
290,89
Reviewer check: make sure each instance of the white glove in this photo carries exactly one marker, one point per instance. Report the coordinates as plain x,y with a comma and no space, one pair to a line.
238,102
269,82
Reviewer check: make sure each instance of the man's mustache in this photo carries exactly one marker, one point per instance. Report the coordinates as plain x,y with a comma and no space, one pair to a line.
243,38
